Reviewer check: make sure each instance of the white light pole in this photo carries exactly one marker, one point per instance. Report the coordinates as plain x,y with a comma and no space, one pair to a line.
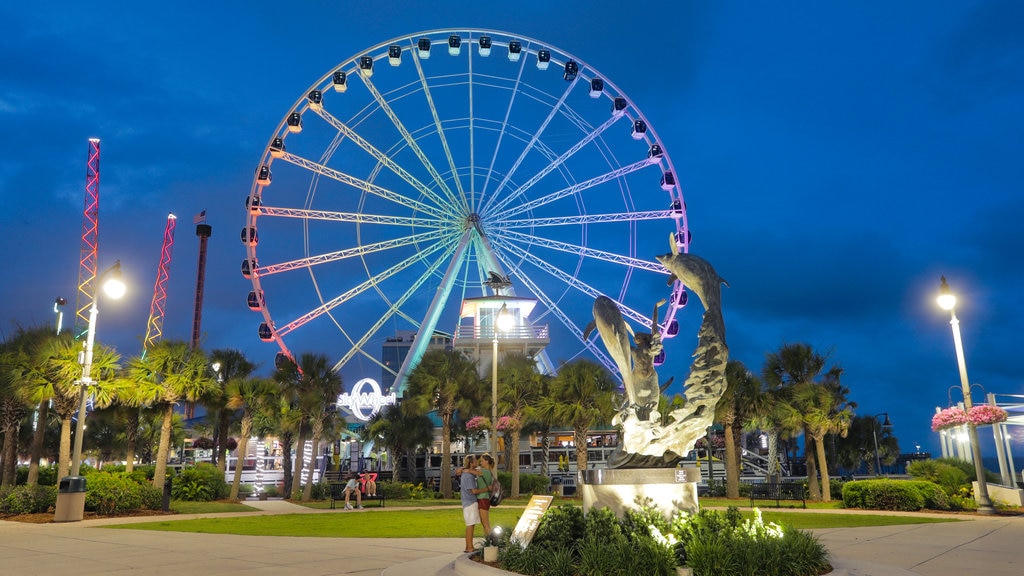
947,301
115,289
502,321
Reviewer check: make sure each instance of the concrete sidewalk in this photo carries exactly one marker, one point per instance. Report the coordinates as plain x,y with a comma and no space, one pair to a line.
978,545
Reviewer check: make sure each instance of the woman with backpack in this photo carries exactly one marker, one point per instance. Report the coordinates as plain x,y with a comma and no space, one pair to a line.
483,482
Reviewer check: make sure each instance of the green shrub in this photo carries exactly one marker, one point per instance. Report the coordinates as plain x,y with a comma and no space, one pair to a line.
47,475
935,497
270,490
562,526
883,494
109,493
394,490
27,499
710,542
320,491
200,483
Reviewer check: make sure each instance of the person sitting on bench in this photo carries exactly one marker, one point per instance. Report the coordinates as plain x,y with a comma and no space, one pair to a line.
369,481
350,488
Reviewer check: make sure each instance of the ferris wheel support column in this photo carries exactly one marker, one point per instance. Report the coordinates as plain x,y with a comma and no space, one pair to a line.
426,329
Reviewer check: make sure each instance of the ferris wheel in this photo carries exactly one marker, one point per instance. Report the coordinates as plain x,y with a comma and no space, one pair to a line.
412,174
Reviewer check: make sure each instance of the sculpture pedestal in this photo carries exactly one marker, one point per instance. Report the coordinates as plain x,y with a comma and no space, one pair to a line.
668,490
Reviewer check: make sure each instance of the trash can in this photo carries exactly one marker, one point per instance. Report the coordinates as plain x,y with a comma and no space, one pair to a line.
70,499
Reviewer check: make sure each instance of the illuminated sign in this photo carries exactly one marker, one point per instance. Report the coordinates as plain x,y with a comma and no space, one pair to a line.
366,399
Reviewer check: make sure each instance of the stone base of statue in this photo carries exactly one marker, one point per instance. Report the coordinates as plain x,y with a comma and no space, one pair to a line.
668,490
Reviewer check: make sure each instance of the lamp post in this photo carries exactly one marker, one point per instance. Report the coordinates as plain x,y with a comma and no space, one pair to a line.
70,506
947,301
502,321
885,424
115,289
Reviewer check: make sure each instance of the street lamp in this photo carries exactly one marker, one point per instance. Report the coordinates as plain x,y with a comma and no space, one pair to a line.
947,301
502,321
885,424
114,288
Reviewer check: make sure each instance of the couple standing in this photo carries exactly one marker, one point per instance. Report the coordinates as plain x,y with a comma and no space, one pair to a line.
475,480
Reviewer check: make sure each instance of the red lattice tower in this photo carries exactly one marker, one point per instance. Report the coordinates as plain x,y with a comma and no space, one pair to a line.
155,325
90,239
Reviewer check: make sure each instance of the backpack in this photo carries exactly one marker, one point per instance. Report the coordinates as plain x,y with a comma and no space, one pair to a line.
496,495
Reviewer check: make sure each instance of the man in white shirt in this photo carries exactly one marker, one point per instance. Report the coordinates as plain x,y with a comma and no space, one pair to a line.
353,487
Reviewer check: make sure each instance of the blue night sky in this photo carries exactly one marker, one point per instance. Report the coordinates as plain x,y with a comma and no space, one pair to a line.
835,162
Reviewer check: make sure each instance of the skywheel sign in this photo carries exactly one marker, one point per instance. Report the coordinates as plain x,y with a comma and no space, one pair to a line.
366,399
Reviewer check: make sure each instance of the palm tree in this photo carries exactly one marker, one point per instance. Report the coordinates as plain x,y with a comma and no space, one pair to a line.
519,387
231,365
56,373
400,432
734,411
813,394
581,396
19,368
313,387
444,381
169,372
250,395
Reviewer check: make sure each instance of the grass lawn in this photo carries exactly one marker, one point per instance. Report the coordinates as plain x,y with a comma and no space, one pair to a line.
185,507
447,523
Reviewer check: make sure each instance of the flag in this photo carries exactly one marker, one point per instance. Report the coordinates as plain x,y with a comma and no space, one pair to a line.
199,218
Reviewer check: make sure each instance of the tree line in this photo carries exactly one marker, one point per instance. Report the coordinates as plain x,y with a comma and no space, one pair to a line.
137,405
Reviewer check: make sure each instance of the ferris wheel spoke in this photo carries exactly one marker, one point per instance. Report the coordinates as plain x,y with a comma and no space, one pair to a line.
396,306
583,219
349,217
504,126
363,185
533,142
579,285
346,131
629,261
579,187
554,309
551,166
350,253
362,287
440,128
409,139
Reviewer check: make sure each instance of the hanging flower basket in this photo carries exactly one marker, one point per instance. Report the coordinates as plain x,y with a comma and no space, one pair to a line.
508,423
985,414
948,418
980,415
478,424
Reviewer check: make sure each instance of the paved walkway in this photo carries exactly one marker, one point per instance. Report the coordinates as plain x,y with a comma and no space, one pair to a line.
979,546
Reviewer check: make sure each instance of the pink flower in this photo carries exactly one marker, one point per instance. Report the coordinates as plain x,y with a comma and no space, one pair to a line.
508,423
478,423
948,418
984,414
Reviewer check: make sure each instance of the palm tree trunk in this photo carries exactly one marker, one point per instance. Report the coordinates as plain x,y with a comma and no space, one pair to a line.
300,456
579,436
545,450
37,443
131,432
514,461
774,466
242,450
223,421
819,444
446,455
165,445
9,449
64,459
307,490
812,467
286,462
732,464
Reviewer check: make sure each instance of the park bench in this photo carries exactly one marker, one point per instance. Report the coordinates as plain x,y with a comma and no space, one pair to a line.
338,494
778,491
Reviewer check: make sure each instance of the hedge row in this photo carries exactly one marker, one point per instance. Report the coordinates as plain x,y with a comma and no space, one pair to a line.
885,494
